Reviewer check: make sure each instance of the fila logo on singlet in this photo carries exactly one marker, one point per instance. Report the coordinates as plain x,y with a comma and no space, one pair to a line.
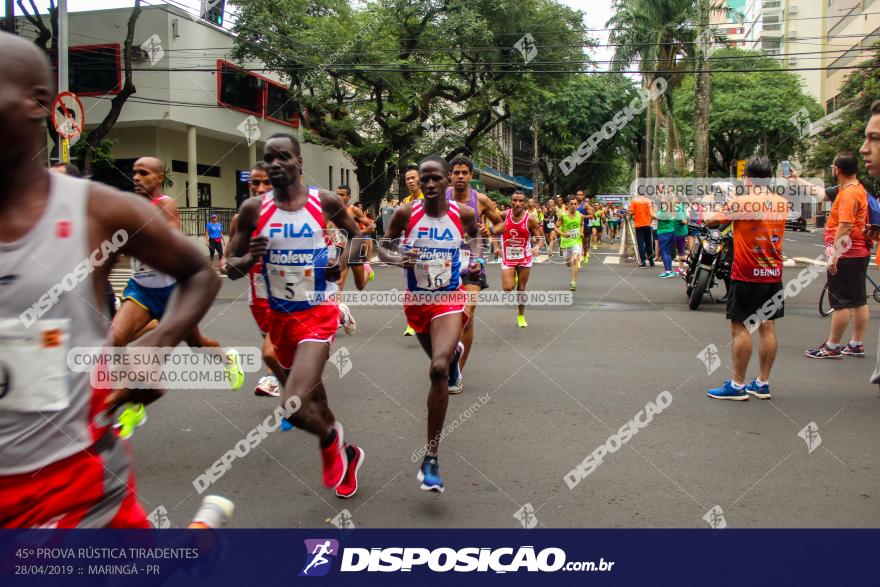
433,234
289,230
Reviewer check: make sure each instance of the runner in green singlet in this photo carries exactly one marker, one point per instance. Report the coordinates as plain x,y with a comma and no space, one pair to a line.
570,229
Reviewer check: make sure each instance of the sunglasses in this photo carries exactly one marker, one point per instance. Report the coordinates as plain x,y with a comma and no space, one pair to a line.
259,182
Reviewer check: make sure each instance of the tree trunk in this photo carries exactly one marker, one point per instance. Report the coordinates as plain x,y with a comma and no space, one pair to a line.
702,97
670,154
646,164
99,133
655,148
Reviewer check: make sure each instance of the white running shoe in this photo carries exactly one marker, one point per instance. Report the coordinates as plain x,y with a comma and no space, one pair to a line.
346,320
267,386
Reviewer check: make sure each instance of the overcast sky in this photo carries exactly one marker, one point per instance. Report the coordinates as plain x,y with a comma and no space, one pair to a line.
597,14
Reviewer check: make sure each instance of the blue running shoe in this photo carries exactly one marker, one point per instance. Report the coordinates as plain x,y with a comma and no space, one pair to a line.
429,475
759,391
727,391
455,370
286,426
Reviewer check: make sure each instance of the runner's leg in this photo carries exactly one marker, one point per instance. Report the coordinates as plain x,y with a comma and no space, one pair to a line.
128,322
440,345
523,275
467,334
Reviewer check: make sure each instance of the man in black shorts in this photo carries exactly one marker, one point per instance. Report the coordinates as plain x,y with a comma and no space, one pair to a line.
848,254
756,297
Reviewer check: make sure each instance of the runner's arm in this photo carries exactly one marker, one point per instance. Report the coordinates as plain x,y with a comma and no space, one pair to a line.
354,250
388,245
243,249
471,231
169,209
164,249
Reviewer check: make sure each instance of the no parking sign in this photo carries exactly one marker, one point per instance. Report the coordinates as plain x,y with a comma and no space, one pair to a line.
68,115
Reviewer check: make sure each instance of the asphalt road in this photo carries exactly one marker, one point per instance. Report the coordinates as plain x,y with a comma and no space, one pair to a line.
552,394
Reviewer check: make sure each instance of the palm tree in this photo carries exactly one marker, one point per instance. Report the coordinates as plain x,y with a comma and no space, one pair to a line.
663,37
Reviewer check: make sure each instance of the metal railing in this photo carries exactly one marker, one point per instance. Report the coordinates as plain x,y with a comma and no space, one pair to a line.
193,220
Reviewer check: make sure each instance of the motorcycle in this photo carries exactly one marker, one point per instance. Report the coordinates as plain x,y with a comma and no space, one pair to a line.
710,260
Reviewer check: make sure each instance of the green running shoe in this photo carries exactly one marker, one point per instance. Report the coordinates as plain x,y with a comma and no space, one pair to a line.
521,321
132,416
234,373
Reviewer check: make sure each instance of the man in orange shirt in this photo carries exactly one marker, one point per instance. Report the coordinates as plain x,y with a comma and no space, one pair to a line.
756,297
848,254
642,210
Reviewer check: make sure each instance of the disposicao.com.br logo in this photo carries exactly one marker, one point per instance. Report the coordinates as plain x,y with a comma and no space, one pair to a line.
442,560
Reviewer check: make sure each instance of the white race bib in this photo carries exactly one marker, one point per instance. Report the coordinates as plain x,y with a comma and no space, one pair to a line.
294,283
464,256
516,253
33,365
574,233
434,274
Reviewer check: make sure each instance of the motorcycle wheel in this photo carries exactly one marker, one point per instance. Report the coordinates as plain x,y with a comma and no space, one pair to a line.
701,285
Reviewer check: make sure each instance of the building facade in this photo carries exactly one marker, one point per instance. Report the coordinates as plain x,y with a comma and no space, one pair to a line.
204,115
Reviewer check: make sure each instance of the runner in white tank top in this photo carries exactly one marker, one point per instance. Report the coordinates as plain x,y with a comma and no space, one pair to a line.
430,233
300,266
148,291
60,463
517,232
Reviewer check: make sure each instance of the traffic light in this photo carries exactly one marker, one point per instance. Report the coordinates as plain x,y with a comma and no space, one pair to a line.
212,11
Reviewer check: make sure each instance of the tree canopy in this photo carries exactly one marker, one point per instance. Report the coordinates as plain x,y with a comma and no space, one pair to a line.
751,112
378,79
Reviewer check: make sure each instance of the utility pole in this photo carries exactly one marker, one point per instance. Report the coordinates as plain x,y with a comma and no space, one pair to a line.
9,25
62,44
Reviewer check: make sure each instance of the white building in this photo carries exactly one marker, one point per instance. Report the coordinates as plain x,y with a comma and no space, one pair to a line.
193,107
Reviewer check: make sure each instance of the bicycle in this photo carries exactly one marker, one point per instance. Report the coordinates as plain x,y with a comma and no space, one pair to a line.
825,308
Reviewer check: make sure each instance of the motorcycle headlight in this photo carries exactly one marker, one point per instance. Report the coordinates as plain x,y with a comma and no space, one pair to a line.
711,248
715,234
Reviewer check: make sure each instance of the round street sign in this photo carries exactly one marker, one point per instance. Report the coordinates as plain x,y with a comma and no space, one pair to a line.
68,115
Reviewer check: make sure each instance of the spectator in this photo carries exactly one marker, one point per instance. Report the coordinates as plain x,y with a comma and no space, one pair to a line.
755,297
848,252
666,234
642,212
214,236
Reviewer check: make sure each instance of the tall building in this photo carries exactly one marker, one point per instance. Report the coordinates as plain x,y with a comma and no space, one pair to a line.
790,31
852,29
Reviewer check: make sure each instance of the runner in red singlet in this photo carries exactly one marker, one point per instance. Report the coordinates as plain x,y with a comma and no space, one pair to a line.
259,186
518,231
300,268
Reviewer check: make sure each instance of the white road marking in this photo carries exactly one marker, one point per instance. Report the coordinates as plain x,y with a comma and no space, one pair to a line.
611,260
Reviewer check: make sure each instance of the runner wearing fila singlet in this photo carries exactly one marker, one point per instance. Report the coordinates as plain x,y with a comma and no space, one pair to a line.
258,301
61,466
517,232
474,280
149,290
425,238
300,268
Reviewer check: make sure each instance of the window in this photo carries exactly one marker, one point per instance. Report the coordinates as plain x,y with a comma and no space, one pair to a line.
94,70
202,170
347,177
279,106
239,89
341,175
330,183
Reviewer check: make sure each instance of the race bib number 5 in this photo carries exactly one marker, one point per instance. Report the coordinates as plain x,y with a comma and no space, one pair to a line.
294,283
33,365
